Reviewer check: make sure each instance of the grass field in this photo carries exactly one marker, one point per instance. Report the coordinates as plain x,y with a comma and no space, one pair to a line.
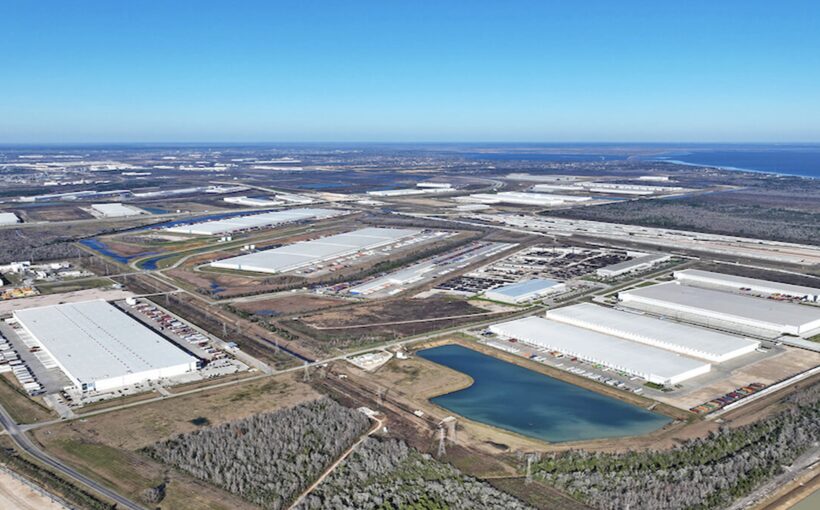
71,286
20,406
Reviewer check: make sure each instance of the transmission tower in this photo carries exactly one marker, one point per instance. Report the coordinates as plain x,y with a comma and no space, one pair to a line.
307,372
450,423
529,469
441,448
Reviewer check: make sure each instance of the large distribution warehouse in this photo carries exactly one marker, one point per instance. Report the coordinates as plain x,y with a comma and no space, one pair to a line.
525,291
7,218
268,219
100,348
655,365
732,310
116,210
295,256
737,283
681,338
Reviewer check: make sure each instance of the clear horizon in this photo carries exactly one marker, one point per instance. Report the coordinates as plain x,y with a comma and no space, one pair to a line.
324,72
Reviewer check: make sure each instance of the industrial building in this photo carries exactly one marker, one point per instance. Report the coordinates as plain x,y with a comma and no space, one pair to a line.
100,348
672,336
522,198
116,210
438,185
7,218
612,188
655,365
525,291
419,190
398,279
733,283
640,263
253,202
295,256
251,221
732,311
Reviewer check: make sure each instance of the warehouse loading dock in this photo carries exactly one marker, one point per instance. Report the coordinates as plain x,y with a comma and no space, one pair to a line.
734,311
681,338
650,363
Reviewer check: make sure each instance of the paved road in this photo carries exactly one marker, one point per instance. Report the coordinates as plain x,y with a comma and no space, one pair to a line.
22,440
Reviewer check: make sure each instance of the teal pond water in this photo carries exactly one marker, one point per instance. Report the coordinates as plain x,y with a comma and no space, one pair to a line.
514,398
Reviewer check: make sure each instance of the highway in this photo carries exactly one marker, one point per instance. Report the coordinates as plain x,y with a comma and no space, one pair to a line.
22,440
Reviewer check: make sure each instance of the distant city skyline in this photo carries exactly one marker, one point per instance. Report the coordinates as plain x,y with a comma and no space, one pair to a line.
375,71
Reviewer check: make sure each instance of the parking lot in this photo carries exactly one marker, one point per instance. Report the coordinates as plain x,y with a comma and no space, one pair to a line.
561,263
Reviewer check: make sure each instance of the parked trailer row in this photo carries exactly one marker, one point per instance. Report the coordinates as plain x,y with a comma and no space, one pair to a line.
729,398
165,321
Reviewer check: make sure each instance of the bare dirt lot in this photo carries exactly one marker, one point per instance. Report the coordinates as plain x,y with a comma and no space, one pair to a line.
373,322
770,370
222,285
56,213
16,495
287,305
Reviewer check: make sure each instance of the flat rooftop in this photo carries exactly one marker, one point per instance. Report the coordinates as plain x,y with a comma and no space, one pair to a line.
742,281
236,223
664,331
293,256
643,259
631,356
526,288
94,340
741,307
116,210
7,218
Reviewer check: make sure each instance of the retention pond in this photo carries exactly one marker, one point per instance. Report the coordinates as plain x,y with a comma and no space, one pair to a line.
514,398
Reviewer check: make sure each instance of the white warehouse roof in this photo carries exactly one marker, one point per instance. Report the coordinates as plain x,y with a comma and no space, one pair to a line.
524,291
696,276
100,347
260,220
673,336
523,198
116,210
755,312
7,218
294,256
642,262
653,364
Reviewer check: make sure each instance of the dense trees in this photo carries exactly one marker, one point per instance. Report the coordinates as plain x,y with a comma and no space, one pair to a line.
267,459
698,475
387,475
710,214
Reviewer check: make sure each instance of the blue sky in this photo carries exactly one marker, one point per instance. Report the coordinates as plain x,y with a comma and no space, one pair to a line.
87,71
